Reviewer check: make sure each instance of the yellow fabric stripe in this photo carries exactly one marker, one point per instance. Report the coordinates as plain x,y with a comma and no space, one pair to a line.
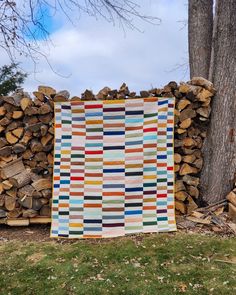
149,176
92,182
75,225
65,152
113,101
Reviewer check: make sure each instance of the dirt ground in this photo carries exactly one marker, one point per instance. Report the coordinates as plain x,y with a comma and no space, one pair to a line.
34,232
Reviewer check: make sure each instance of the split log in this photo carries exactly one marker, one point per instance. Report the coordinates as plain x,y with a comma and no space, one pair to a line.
180,206
10,203
193,191
42,184
185,123
47,91
44,109
2,200
5,151
1,189
31,111
37,204
12,192
45,140
36,146
45,211
25,103
232,212
6,185
39,95
191,180
18,148
3,214
182,104
11,138
26,190
21,179
18,222
26,202
177,158
30,213
15,213
13,168
181,195
187,169
2,111
231,197
17,114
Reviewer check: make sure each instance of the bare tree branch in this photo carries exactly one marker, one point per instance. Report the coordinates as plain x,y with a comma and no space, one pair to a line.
22,22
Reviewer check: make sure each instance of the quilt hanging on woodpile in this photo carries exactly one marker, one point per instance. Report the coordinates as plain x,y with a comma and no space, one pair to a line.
113,168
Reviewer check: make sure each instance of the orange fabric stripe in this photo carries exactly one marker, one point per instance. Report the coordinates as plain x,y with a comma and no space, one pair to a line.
93,205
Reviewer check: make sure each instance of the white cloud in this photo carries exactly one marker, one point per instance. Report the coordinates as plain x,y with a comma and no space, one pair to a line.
97,54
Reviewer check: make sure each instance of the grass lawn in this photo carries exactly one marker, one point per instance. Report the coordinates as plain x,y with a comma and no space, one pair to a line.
148,264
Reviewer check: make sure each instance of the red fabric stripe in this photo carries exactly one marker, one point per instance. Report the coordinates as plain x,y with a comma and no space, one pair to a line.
161,195
93,106
76,178
150,129
93,152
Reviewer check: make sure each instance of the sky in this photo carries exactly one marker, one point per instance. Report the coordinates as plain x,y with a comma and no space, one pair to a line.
93,53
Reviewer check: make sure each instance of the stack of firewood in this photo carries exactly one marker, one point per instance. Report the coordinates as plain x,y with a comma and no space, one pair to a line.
191,119
26,144
26,154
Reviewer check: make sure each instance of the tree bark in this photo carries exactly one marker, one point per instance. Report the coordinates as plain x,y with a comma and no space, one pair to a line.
219,148
200,26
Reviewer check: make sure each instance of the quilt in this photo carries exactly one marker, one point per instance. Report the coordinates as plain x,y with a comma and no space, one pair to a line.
113,168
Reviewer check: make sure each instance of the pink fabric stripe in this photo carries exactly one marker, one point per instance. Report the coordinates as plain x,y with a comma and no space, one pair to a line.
134,158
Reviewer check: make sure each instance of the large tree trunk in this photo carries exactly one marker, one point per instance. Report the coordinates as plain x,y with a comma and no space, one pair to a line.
200,25
219,150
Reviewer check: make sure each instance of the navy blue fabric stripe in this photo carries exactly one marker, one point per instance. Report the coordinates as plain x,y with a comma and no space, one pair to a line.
63,213
133,204
114,133
134,112
161,156
134,173
92,221
133,189
66,137
162,102
64,197
113,170
65,174
107,148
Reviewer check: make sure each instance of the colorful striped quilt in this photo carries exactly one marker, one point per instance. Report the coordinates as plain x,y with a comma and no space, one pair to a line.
113,168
